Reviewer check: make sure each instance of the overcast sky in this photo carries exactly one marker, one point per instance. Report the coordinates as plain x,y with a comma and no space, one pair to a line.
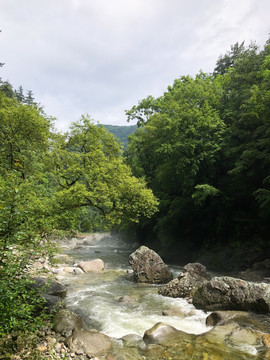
100,57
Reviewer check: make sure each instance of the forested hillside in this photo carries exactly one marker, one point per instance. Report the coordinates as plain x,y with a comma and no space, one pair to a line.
203,147
121,132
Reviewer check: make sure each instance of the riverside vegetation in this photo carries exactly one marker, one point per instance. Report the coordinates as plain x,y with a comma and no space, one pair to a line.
195,176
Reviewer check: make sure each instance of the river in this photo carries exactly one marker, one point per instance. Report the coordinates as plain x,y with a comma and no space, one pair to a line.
113,304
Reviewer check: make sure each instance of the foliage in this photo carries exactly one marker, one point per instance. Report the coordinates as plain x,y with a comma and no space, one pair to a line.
52,181
91,173
19,304
204,149
177,147
121,132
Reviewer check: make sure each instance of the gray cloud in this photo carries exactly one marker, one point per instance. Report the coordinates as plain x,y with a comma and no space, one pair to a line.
101,57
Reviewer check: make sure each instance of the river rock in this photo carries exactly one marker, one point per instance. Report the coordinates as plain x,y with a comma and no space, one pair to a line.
158,332
66,321
174,311
52,303
96,265
148,267
164,334
89,342
231,336
62,258
73,270
227,293
189,280
260,271
225,317
49,287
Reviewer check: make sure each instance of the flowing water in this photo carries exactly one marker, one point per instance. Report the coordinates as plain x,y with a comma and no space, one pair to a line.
113,304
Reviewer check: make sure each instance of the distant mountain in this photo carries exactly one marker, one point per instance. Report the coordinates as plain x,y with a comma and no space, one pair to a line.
121,132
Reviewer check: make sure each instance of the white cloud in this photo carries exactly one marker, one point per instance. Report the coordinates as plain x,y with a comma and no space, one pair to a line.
101,56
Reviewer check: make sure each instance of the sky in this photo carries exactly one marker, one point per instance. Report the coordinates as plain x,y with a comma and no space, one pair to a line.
101,57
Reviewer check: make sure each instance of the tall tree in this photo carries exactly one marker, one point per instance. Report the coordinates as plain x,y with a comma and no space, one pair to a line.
91,173
176,149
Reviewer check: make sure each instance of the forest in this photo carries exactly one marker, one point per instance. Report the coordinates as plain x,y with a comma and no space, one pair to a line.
194,176
203,147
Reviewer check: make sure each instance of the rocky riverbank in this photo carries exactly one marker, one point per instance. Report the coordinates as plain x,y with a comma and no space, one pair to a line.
232,334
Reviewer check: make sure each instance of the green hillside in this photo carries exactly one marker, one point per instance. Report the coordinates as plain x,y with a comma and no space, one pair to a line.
121,132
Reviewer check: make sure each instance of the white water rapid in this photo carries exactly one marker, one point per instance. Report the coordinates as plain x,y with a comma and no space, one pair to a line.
112,303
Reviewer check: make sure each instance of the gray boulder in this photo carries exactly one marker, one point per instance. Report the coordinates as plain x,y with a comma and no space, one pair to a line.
90,343
66,321
148,267
228,293
189,280
49,287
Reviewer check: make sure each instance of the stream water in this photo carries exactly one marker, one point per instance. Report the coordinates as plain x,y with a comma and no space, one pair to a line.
113,304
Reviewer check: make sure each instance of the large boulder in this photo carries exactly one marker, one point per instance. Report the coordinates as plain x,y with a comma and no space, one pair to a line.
49,287
66,321
96,265
189,280
90,343
228,293
148,267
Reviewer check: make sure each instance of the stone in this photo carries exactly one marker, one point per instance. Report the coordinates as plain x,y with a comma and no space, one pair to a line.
49,287
260,271
66,321
228,293
89,342
225,317
174,311
96,265
266,340
164,334
189,280
72,270
148,267
52,302
158,332
132,340
62,258
127,300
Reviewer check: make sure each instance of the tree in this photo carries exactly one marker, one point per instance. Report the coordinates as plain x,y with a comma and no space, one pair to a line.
91,173
246,145
225,62
176,149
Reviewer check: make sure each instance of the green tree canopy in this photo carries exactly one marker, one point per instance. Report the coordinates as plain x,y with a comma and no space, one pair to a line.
91,173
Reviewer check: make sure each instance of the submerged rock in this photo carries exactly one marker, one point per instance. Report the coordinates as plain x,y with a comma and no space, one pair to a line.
174,311
227,293
189,280
148,267
225,317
